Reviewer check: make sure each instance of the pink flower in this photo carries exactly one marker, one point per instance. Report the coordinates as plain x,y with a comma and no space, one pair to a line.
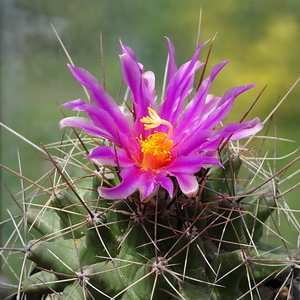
158,142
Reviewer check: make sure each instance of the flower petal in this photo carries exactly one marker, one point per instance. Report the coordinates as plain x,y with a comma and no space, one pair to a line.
149,82
192,164
179,87
150,181
194,110
188,184
172,69
133,77
104,122
147,184
210,140
191,143
130,52
216,115
130,183
166,183
112,156
87,125
249,128
101,99
75,104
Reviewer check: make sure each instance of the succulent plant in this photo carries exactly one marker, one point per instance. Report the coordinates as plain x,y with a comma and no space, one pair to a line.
183,220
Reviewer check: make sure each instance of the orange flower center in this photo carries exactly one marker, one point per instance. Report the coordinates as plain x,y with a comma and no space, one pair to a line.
156,150
157,147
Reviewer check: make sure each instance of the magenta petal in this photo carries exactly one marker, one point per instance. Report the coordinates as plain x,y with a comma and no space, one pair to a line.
130,52
87,125
192,164
139,92
187,183
195,107
100,98
75,104
150,181
225,104
149,82
190,143
231,132
171,65
179,87
112,156
195,110
147,184
103,121
249,128
166,183
129,184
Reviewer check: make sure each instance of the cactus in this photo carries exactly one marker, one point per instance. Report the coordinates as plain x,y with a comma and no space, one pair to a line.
165,244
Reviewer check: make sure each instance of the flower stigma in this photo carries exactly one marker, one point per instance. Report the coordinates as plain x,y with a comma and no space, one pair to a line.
157,147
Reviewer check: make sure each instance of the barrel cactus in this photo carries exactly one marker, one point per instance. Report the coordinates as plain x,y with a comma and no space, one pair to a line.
157,200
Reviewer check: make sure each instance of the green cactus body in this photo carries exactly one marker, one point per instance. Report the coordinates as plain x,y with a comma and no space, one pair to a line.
129,250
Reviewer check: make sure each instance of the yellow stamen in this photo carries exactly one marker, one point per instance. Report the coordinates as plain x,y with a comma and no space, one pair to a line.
156,150
155,120
157,147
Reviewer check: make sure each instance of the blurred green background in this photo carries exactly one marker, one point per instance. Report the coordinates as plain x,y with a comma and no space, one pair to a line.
262,38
